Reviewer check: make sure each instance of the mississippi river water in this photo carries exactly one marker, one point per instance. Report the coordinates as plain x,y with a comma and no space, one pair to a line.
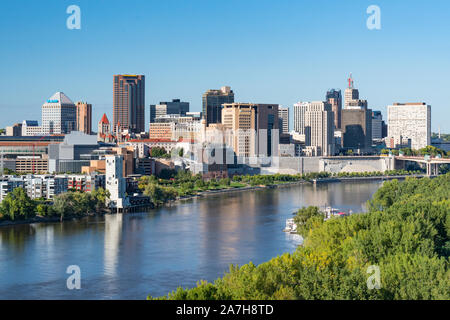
132,256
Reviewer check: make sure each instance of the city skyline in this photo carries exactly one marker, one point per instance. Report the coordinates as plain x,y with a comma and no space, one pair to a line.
279,73
240,150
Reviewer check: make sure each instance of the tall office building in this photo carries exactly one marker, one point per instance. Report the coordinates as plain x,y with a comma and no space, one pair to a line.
84,117
357,129
352,96
377,125
334,97
252,129
299,116
129,102
283,115
175,107
319,128
213,100
410,121
59,115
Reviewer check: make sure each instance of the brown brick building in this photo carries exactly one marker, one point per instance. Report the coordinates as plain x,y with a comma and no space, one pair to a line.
84,117
129,102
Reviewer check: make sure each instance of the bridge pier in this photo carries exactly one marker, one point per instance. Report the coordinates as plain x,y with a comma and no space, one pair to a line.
432,169
431,164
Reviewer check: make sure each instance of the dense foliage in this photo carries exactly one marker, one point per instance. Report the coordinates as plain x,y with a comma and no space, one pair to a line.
18,206
9,172
428,150
159,152
405,233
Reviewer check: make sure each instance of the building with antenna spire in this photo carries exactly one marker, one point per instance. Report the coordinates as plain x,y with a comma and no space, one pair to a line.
356,121
351,96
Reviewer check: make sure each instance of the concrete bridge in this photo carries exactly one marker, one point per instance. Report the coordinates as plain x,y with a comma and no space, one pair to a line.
432,164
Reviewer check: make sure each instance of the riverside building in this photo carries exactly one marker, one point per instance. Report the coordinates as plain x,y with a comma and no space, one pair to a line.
410,121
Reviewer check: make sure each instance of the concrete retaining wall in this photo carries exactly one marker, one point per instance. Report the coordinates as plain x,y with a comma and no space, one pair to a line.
293,165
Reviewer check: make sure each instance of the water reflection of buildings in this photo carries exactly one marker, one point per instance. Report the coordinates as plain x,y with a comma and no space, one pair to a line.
233,225
113,232
220,222
45,235
347,195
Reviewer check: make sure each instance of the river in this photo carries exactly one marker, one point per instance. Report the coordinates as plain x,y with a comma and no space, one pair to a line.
131,256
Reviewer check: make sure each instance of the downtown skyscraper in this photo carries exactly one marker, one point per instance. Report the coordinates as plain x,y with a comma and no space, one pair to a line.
283,116
59,115
129,102
213,100
352,96
254,128
84,117
315,121
334,97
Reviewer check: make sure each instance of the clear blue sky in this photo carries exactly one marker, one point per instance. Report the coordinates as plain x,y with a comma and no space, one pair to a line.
267,51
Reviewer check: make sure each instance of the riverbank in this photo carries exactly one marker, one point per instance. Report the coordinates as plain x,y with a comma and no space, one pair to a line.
201,194
342,179
39,219
290,183
238,189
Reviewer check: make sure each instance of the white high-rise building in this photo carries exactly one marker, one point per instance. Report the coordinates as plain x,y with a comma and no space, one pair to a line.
299,116
59,115
115,182
315,121
319,128
283,116
410,121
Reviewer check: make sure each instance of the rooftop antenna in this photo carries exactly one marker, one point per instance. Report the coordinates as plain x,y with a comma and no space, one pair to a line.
350,81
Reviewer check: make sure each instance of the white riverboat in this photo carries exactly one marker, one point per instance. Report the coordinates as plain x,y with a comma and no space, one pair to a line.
291,226
333,212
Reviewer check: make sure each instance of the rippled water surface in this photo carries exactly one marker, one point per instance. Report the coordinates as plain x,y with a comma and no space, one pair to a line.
132,256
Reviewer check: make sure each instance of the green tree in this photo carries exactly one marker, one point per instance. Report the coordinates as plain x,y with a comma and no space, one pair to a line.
158,152
17,205
41,209
101,197
307,218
